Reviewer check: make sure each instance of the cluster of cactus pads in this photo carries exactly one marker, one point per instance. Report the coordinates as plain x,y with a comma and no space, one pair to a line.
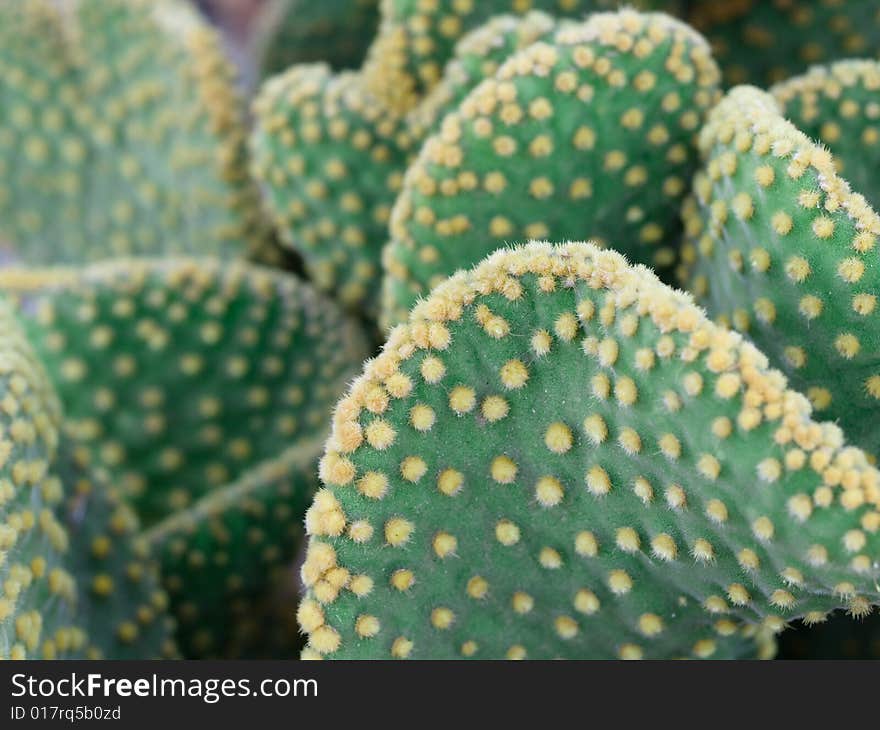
555,453
163,415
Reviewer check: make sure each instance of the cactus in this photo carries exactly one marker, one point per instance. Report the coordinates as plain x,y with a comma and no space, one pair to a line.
120,134
37,591
555,455
762,42
222,556
477,56
331,160
416,39
591,134
120,602
179,375
781,248
628,480
305,31
269,629
74,583
840,106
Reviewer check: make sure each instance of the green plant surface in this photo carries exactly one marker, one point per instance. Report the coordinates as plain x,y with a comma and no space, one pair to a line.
416,38
591,134
120,601
305,31
581,465
120,134
781,248
330,159
839,105
477,56
222,557
765,41
38,594
178,375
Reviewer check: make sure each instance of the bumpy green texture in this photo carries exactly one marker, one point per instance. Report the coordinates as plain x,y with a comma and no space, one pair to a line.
307,31
477,57
765,41
120,134
222,556
331,161
38,594
781,248
417,38
179,375
841,637
590,135
572,461
120,602
628,480
839,105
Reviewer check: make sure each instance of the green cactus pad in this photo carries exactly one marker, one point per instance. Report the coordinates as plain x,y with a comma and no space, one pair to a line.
765,41
269,630
120,602
416,38
580,465
179,375
840,106
305,31
477,56
120,134
781,248
222,556
589,135
331,160
38,594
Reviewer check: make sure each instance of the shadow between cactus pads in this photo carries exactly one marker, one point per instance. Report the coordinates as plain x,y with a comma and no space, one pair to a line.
591,133
559,456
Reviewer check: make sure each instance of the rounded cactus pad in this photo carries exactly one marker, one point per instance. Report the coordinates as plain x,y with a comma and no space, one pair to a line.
331,160
178,375
477,56
416,39
779,246
120,601
222,557
120,134
839,105
304,31
591,134
38,594
765,41
559,456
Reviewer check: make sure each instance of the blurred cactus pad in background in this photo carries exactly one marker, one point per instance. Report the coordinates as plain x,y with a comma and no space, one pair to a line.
350,329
